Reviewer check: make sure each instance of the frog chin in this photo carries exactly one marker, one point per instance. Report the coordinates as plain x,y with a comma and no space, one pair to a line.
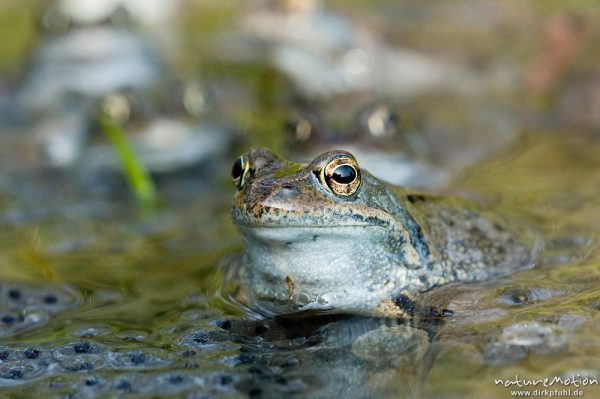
343,267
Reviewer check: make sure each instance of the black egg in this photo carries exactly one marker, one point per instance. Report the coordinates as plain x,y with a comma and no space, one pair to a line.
343,174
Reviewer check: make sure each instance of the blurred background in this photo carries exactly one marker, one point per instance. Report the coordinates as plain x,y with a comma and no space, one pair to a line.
120,121
187,80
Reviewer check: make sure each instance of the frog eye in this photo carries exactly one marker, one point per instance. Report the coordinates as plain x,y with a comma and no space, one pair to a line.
117,107
341,176
239,171
300,128
382,122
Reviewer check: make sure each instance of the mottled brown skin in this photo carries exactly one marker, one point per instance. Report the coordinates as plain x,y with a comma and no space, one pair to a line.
363,250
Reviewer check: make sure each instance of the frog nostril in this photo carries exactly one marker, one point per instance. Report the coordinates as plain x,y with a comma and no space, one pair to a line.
288,191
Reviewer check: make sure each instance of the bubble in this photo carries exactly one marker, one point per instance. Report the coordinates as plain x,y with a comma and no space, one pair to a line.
301,299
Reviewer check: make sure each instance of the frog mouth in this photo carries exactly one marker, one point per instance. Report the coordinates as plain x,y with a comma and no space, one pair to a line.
274,225
250,221
280,218
293,235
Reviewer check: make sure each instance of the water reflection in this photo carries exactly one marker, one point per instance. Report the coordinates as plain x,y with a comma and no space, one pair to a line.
335,355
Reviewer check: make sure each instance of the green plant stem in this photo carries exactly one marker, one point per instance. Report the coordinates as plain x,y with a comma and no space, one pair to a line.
137,176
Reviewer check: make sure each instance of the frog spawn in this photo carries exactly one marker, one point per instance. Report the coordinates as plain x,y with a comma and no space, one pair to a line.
93,369
25,306
265,358
99,365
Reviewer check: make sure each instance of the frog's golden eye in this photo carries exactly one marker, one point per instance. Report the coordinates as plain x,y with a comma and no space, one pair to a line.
341,176
239,171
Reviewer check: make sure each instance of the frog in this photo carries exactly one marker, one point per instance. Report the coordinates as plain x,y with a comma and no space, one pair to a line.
421,144
329,236
167,126
390,146
84,69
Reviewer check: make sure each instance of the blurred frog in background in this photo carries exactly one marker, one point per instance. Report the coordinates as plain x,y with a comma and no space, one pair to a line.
421,144
414,116
94,58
